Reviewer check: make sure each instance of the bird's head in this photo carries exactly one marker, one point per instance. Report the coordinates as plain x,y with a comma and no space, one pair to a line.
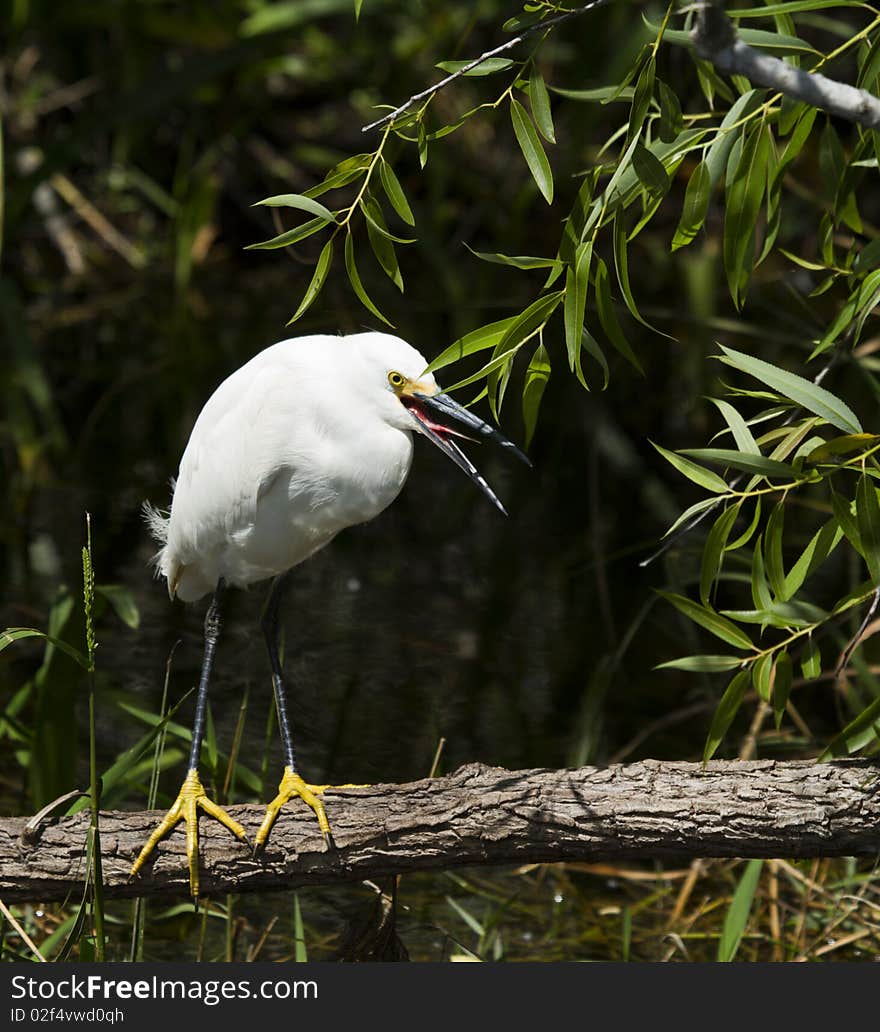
411,400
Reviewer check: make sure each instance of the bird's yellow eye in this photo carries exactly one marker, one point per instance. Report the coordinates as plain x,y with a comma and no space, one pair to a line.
397,380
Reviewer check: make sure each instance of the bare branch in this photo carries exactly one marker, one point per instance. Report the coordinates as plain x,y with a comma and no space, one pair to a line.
479,815
716,41
548,23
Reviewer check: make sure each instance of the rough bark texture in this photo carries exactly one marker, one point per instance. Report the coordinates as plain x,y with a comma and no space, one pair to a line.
479,815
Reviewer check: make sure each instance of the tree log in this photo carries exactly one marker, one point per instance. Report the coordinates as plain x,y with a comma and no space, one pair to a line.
478,815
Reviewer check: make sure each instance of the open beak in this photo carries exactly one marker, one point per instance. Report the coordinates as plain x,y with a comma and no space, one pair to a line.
442,418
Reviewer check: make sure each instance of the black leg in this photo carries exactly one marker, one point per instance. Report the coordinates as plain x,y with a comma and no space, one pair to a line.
192,796
212,635
270,631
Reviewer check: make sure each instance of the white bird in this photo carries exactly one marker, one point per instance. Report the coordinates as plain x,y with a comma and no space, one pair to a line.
309,437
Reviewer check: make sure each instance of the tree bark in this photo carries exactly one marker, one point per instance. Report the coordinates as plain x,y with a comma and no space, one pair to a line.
478,815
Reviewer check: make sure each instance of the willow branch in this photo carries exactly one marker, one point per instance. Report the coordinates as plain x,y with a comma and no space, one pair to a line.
547,23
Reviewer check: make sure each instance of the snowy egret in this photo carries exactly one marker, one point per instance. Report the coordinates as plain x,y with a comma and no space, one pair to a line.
309,437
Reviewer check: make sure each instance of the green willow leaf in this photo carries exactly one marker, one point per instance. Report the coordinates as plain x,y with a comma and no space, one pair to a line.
642,98
577,281
837,447
745,442
650,170
773,551
691,512
746,535
857,733
591,346
355,281
298,201
529,321
782,679
720,148
292,236
745,194
868,520
540,101
487,67
699,474
714,549
842,509
760,588
696,204
822,544
794,146
708,618
762,670
802,392
394,193
516,261
481,339
670,113
537,376
780,614
318,279
372,212
385,254
702,664
727,709
608,317
532,149
811,660
758,464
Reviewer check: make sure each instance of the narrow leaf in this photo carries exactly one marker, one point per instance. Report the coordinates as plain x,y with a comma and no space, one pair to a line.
355,281
577,280
809,395
868,520
532,149
702,664
699,474
608,317
745,442
291,236
537,376
540,101
714,549
708,618
737,916
481,339
782,678
298,201
727,709
758,464
394,193
696,204
487,67
318,278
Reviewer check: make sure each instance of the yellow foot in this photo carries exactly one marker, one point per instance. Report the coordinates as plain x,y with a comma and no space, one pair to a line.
186,807
293,785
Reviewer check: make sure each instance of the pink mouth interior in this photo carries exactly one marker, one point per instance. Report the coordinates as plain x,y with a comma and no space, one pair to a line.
425,420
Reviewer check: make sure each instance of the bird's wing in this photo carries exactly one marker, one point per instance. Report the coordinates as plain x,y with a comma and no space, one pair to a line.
237,453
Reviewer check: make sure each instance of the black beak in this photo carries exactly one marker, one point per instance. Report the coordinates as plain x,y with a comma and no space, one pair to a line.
440,417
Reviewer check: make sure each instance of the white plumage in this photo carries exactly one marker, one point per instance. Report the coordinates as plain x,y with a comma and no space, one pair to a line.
304,440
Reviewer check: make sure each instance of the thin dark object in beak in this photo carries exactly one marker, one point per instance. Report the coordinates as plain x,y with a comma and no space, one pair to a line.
444,409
